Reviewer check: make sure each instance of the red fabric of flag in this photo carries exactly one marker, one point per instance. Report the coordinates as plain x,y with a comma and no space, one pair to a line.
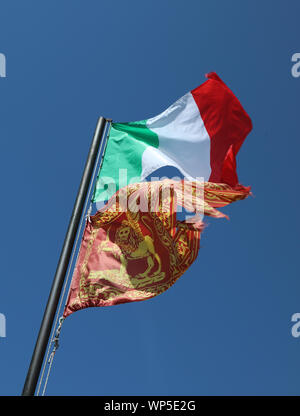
136,253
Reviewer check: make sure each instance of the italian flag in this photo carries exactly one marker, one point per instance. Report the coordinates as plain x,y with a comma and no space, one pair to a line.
200,135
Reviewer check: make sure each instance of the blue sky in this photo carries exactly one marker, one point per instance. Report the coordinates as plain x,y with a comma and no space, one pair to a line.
225,327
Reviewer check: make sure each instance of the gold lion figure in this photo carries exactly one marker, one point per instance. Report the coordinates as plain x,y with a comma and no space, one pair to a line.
134,246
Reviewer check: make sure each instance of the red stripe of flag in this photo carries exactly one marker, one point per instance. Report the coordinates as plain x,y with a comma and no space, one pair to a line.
227,124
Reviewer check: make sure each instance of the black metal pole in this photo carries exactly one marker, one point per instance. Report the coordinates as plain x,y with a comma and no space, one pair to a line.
49,314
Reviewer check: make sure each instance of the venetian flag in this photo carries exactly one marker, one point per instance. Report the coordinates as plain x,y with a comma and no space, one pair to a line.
200,135
133,255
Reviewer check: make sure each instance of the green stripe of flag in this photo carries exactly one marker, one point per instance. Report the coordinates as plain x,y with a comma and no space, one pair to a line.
125,147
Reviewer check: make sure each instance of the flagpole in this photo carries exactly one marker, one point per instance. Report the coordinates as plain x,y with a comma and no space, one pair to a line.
49,314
